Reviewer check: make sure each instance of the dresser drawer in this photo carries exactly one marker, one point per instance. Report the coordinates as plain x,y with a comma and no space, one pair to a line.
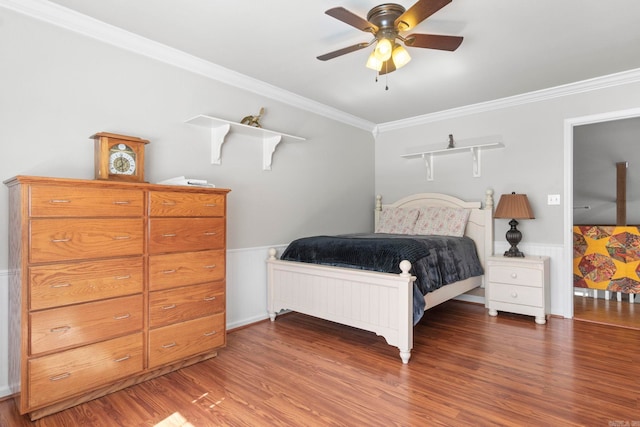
185,268
65,327
186,339
63,284
523,295
180,304
169,203
185,234
68,239
516,275
82,202
61,375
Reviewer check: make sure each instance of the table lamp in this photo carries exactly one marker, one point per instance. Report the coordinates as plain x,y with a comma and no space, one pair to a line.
514,206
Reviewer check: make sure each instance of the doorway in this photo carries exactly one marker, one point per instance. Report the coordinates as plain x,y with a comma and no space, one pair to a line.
596,310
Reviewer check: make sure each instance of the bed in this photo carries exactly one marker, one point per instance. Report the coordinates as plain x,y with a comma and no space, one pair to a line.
374,301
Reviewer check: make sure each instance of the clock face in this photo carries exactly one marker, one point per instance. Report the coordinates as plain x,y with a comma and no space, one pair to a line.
122,160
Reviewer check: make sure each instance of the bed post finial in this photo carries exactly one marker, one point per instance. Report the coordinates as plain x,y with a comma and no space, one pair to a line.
272,253
378,202
488,200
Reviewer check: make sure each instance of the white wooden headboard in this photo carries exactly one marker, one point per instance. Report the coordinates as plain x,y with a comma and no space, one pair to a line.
480,224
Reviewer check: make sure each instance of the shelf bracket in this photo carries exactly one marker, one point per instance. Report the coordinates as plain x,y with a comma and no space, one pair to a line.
428,162
475,153
217,139
269,147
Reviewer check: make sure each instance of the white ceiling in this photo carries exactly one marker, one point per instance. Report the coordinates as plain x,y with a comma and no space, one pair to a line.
510,47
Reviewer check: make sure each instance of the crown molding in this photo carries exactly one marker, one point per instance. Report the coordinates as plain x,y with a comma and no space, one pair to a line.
82,24
617,79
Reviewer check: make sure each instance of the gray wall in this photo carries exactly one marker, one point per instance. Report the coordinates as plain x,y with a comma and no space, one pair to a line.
597,149
58,88
532,161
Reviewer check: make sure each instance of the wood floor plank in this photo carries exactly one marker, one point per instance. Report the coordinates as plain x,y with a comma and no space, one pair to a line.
467,368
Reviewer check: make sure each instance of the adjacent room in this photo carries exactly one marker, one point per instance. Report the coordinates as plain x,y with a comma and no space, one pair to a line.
312,213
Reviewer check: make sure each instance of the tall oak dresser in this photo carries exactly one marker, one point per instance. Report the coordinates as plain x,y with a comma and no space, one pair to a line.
111,284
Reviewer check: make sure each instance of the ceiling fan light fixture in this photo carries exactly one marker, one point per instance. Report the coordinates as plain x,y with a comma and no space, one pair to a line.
383,49
400,56
374,63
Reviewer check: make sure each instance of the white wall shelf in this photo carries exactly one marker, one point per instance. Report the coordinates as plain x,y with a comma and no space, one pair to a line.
474,146
221,127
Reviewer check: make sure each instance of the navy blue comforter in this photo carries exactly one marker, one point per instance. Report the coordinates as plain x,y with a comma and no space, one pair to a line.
435,260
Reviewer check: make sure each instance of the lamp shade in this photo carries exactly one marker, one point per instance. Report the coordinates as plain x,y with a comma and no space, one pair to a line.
514,206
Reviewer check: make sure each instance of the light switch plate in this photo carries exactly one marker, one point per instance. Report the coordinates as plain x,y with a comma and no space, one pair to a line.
553,199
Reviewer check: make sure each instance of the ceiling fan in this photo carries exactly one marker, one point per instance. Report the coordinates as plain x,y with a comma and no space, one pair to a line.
386,22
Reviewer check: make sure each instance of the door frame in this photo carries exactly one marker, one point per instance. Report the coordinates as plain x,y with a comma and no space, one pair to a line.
569,124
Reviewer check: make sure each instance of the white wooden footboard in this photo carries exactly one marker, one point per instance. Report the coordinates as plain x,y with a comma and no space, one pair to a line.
372,301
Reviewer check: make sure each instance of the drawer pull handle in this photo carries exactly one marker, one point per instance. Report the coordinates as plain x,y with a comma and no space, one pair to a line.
121,237
60,240
168,271
168,203
210,266
59,201
208,334
128,276
122,359
210,233
122,316
169,235
514,294
171,344
168,307
60,329
60,377
514,275
211,205
61,285
121,202
209,298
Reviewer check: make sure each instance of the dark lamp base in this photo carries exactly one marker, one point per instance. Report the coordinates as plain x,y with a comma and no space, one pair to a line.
513,237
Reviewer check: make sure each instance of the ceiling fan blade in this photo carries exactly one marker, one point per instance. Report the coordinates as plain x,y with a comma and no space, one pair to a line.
343,51
342,14
433,41
418,13
387,67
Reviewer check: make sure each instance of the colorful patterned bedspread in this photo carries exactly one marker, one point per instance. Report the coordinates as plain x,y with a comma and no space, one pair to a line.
607,257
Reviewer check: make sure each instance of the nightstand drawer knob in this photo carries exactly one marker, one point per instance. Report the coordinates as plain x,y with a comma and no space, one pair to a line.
514,275
514,294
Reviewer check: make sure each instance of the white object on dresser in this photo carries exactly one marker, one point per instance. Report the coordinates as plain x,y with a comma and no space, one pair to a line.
518,285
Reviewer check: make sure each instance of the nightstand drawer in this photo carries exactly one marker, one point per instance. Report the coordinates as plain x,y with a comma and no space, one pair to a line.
523,295
516,275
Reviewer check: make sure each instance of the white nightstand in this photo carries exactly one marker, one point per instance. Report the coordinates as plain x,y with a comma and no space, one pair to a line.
518,285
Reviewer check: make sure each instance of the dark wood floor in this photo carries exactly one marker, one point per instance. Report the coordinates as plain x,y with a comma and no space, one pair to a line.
467,369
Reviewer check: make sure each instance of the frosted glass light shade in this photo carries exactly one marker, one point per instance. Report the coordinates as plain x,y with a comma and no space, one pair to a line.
400,56
374,63
383,50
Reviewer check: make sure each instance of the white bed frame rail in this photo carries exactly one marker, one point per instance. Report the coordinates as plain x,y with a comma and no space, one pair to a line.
377,302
